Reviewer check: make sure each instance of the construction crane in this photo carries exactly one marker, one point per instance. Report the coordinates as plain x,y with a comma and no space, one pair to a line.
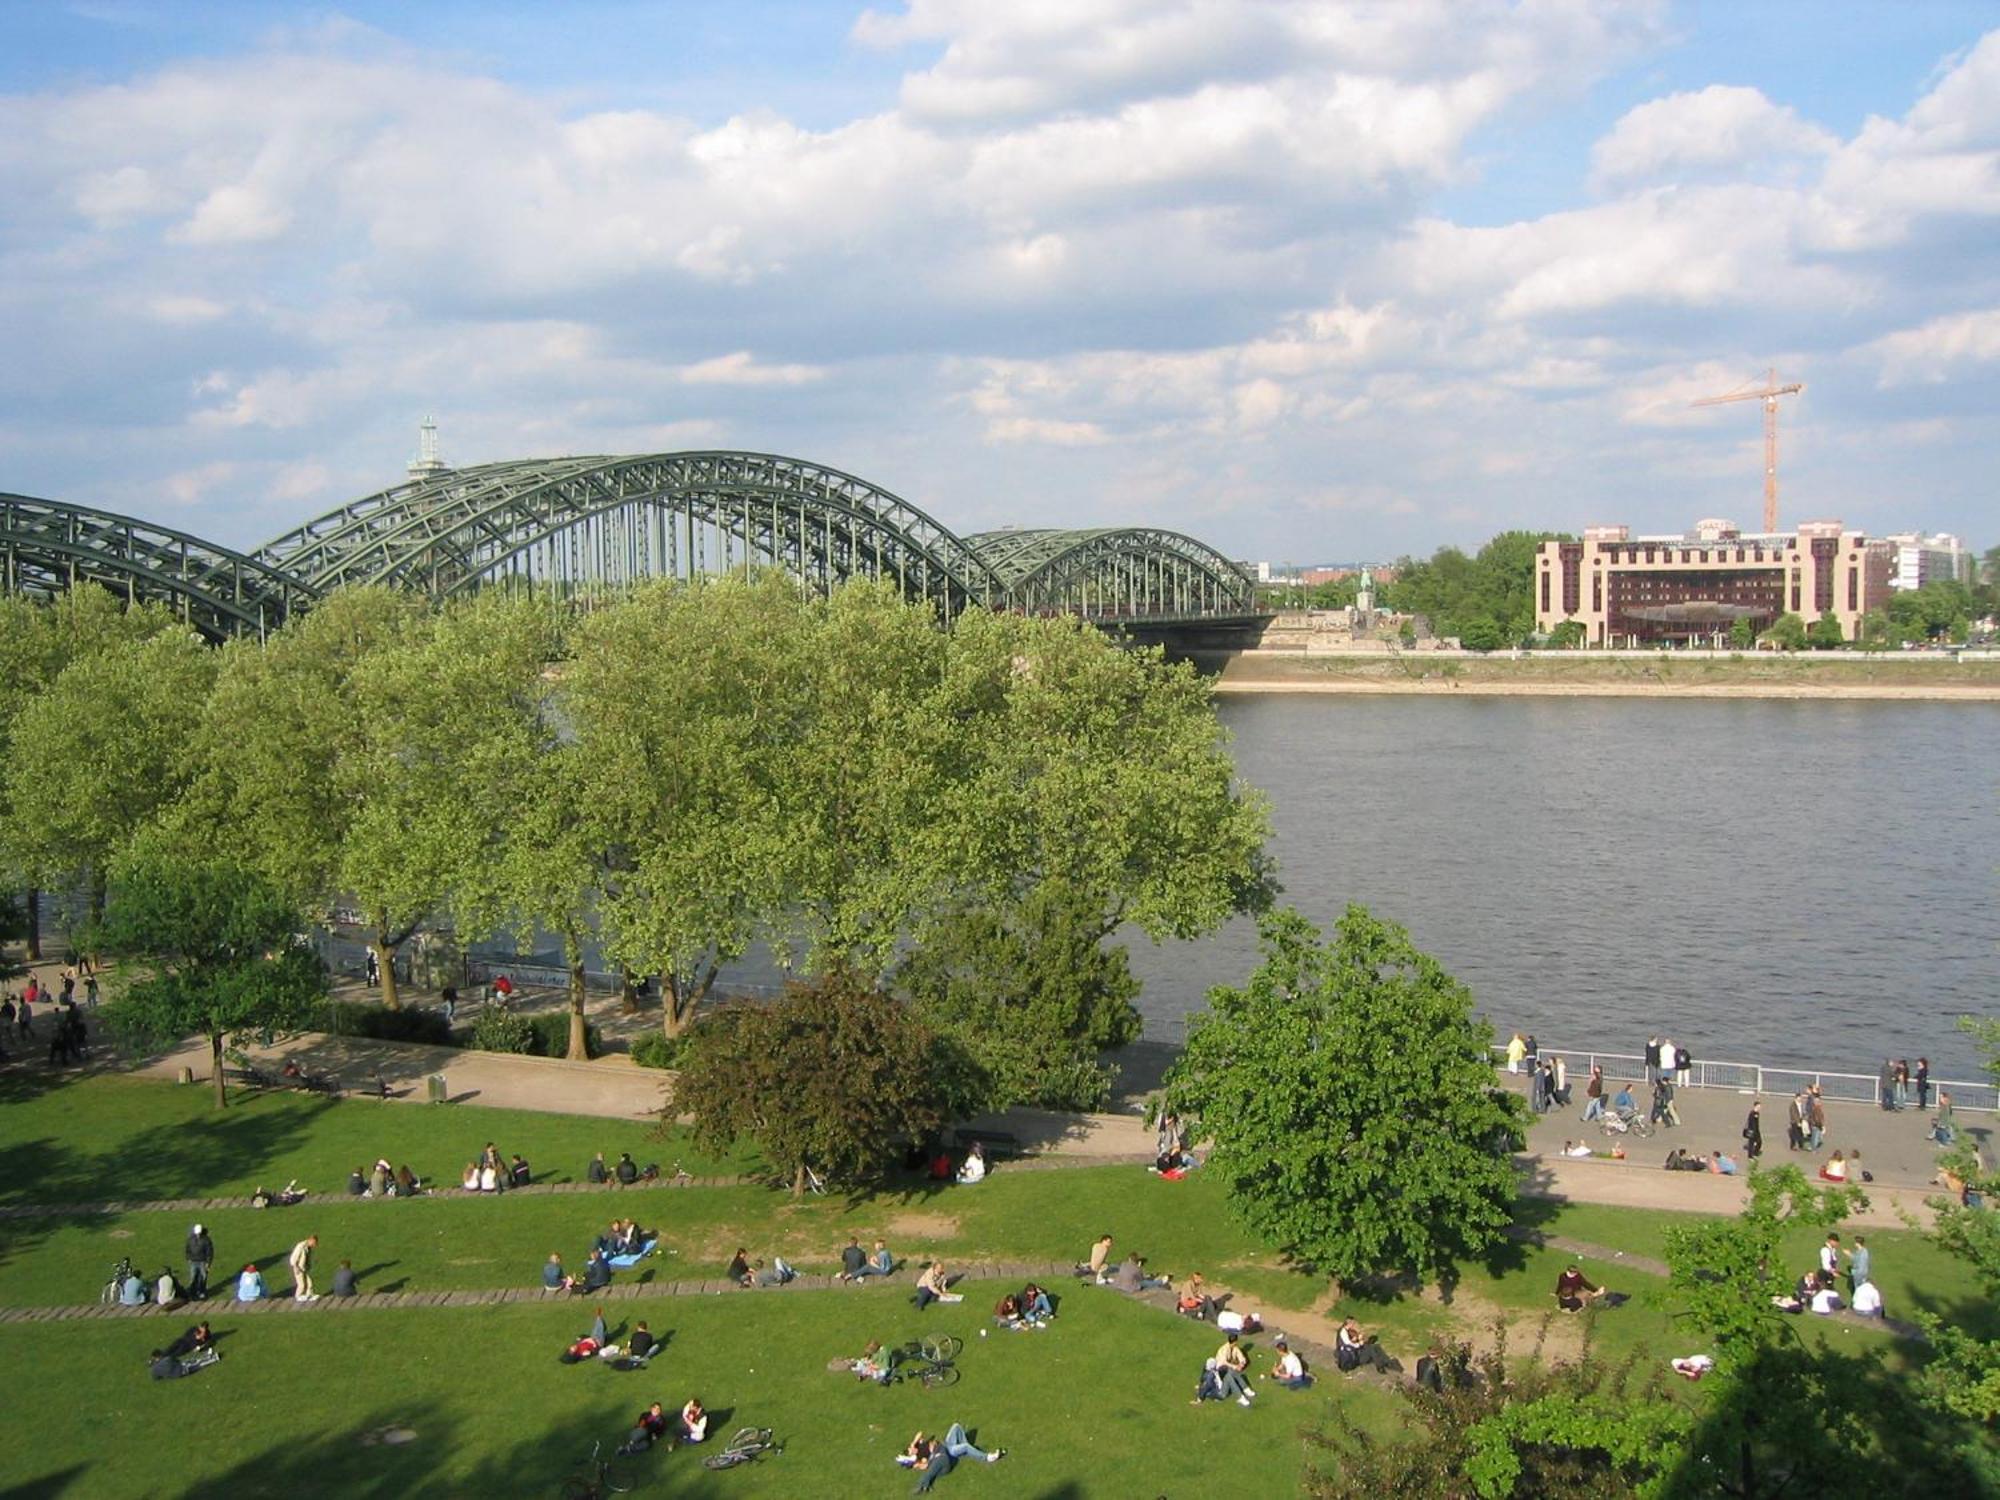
1769,396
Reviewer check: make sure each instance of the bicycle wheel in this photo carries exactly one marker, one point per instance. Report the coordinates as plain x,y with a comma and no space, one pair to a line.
1642,1128
942,1348
728,1458
940,1375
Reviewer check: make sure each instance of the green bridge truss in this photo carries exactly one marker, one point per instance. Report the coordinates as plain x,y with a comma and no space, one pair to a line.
578,525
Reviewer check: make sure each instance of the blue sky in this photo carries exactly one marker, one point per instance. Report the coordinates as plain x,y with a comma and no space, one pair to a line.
1308,280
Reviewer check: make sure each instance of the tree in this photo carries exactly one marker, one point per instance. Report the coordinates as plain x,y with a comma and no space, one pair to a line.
111,745
218,950
1787,633
1878,632
1032,992
1349,1095
1581,1429
1826,634
1742,635
1453,590
1481,633
1568,636
834,1078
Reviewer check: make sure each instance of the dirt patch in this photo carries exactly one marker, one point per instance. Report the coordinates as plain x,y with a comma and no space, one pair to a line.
1545,1336
921,1227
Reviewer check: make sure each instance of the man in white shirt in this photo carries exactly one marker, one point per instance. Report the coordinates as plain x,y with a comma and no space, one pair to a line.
301,1264
1868,1300
1289,1370
1829,1259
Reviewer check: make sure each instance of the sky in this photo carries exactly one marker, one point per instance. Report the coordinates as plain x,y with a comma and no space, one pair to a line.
1309,281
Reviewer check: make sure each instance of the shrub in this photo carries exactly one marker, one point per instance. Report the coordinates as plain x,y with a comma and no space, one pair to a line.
658,1050
386,1025
550,1037
502,1031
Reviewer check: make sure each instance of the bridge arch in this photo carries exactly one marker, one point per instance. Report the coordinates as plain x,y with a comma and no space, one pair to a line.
47,546
1115,572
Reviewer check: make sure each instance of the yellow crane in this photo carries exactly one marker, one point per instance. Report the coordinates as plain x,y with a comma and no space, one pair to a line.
1769,396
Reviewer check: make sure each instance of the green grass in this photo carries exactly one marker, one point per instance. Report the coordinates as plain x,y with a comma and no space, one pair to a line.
105,1139
1094,1407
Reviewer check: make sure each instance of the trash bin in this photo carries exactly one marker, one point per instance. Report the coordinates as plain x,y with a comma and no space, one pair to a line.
434,1089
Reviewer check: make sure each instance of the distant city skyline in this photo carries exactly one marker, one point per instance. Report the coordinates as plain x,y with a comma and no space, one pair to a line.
1304,280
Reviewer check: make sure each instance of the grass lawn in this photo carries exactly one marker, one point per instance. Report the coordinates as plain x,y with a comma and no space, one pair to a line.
1096,1406
106,1138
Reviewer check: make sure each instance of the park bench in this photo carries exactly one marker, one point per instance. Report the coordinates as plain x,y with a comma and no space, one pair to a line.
999,1145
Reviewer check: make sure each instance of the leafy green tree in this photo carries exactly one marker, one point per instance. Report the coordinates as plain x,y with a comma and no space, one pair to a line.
1481,633
1878,632
1335,593
1580,1429
1742,635
110,743
297,764
1349,1096
1033,992
1454,590
217,952
1787,633
1826,635
1568,636
834,1077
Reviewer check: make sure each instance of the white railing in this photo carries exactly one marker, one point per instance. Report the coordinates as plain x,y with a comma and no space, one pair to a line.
1756,1078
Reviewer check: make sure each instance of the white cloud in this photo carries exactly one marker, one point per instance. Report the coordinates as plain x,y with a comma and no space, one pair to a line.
1721,126
742,368
1939,349
184,311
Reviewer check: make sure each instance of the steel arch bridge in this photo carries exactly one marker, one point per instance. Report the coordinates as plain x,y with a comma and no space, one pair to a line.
581,525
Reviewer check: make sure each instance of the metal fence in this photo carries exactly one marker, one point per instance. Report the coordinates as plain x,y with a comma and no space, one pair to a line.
1756,1078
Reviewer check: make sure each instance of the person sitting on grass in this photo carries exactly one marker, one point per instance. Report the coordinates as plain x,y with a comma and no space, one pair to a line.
1288,1369
875,1363
1826,1299
469,1179
1867,1300
852,1259
1193,1300
357,1185
777,1273
597,1173
344,1284
606,1242
1573,1290
1100,1254
694,1421
380,1176
1007,1314
1035,1305
880,1263
596,1272
553,1279
973,1169
167,1291
1352,1349
642,1346
627,1170
250,1285
408,1184
739,1268
648,1430
1232,1367
1131,1276
1836,1168
935,1286
518,1174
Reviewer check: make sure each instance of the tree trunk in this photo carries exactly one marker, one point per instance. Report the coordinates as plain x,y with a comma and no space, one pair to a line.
579,1044
215,1069
98,884
34,926
799,1181
680,997
628,991
385,962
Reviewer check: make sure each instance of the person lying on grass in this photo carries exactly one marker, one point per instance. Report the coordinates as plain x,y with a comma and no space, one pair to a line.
936,1457
875,1363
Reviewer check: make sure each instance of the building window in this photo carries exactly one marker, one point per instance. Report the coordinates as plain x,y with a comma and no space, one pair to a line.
1545,588
1853,588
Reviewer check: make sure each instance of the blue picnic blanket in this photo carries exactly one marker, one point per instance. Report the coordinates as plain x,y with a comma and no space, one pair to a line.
626,1262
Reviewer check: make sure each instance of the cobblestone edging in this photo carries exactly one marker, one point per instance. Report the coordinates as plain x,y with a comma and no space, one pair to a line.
326,1200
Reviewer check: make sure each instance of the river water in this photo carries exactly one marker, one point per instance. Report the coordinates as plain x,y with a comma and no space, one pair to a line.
1804,883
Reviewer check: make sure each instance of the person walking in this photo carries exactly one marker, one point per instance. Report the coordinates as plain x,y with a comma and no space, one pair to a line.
1593,1095
301,1266
1795,1130
1753,1132
200,1256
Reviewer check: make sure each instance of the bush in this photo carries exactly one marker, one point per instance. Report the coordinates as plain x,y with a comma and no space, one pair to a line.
386,1025
501,1031
658,1050
551,1035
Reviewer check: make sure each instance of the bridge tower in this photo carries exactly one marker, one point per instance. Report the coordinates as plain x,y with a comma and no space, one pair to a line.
427,462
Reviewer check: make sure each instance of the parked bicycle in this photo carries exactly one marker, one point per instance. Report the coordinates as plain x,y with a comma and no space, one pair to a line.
931,1360
748,1445
594,1482
114,1289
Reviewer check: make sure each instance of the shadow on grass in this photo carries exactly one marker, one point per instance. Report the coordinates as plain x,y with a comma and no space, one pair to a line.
47,1487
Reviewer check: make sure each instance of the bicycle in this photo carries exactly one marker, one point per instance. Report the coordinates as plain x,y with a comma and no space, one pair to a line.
114,1289
931,1360
749,1444
1629,1123
595,1482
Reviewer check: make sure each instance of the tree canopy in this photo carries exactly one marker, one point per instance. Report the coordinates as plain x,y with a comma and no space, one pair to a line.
1493,588
1349,1096
834,1078
217,951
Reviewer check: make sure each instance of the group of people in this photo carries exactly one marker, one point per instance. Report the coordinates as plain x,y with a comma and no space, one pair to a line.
493,1173
68,1036
1029,1308
1818,1290
384,1181
1900,1086
624,1174
654,1426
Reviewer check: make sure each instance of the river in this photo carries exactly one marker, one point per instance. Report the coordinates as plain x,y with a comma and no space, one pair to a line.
1806,883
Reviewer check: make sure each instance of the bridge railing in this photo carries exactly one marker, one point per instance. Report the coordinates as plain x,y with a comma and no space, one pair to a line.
1761,1078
